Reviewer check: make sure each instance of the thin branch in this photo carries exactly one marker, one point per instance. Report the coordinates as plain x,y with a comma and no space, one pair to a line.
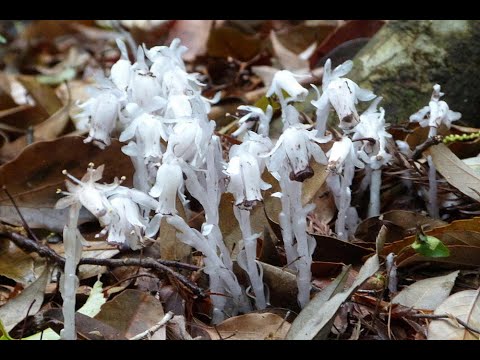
433,140
22,219
149,332
446,316
29,245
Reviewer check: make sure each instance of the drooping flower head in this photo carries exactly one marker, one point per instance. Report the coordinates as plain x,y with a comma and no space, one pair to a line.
253,116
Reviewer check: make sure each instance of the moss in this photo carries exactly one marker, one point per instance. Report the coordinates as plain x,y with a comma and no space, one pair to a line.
406,58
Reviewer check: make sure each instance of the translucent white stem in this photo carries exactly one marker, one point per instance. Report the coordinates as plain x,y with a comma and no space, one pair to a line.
432,131
432,190
69,283
375,185
250,243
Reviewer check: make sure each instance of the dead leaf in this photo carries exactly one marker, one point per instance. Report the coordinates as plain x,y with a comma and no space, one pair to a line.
254,326
27,303
307,317
327,310
94,302
457,173
133,312
282,285
352,29
464,305
288,59
43,95
426,294
46,130
33,177
18,265
227,41
194,35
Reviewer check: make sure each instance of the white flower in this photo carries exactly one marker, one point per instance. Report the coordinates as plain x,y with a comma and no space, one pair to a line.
284,80
293,151
127,224
102,112
342,152
121,70
147,130
254,115
372,126
256,145
436,113
189,141
162,56
245,180
169,183
178,106
89,193
341,93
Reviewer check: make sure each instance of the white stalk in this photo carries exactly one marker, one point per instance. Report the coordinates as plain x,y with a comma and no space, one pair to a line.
432,190
375,185
69,285
250,244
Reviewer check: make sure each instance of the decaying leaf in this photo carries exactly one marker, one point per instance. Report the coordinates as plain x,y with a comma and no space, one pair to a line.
15,264
288,59
455,171
306,321
464,305
133,312
34,176
282,285
27,303
193,34
95,301
265,326
426,294
325,311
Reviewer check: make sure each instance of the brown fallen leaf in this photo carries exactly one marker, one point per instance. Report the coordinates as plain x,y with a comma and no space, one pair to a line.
194,35
464,305
33,177
46,130
265,326
455,171
17,265
288,59
426,294
282,285
352,29
27,303
133,312
227,41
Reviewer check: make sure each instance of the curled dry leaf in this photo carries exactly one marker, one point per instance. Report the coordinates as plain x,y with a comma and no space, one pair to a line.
34,176
27,303
464,305
132,312
426,294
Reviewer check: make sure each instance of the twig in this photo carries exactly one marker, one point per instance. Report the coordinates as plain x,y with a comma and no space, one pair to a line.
434,140
446,316
29,245
22,219
149,332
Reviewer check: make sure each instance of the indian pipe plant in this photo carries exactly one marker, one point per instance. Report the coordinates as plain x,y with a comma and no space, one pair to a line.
162,117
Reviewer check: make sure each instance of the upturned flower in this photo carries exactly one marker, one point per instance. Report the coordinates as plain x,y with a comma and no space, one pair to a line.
256,145
253,116
293,151
436,113
89,193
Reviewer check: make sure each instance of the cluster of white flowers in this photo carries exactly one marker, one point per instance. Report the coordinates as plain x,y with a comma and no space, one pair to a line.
156,107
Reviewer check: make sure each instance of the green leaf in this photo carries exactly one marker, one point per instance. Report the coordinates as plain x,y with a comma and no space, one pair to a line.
2,40
3,333
429,246
65,75
263,102
47,334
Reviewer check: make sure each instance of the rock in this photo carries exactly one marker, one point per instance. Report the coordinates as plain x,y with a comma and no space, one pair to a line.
406,58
